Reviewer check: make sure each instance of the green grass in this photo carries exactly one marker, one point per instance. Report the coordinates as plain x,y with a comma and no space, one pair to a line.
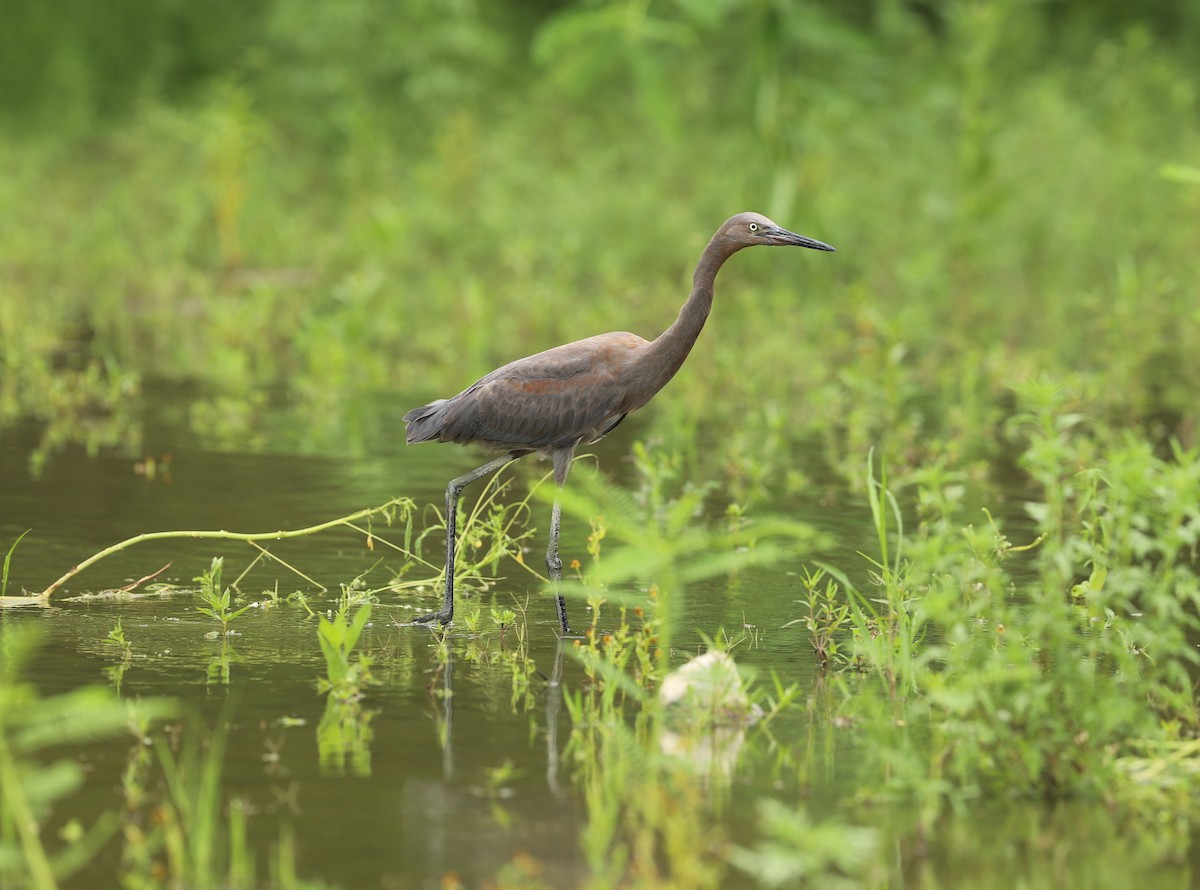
994,227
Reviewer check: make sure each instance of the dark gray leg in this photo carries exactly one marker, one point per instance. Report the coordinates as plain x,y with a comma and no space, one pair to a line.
562,466
554,564
453,490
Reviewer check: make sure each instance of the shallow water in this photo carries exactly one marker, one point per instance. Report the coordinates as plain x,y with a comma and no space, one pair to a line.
412,804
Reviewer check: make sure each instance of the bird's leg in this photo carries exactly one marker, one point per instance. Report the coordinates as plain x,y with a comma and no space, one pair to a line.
562,466
453,490
554,565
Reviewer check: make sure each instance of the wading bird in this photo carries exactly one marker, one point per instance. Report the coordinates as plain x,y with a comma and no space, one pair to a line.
572,395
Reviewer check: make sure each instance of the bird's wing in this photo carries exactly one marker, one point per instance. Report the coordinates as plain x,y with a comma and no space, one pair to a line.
549,400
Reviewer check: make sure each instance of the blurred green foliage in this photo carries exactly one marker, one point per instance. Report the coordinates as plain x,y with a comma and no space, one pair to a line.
77,63
318,201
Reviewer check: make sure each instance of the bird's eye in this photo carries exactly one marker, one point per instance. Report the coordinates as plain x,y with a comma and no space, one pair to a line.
753,227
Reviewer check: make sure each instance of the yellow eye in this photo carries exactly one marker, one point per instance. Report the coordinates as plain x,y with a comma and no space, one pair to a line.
753,227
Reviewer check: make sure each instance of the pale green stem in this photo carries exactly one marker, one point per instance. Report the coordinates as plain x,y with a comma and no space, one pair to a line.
41,875
217,535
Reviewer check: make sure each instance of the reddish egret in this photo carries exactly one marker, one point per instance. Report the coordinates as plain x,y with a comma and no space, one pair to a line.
572,395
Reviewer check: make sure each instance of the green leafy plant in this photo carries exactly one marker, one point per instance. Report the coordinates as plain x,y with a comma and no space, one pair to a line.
216,597
124,650
503,619
344,733
887,627
827,615
116,640
1050,668
346,672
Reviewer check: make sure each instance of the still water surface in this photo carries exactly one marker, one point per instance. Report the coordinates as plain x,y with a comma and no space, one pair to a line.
413,804
414,807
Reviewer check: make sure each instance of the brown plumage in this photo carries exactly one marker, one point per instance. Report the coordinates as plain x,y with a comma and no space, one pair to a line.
572,395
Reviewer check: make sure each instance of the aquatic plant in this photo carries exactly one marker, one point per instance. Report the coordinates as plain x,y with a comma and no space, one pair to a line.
794,850
491,530
643,736
827,613
217,597
344,737
182,830
346,672
645,813
33,786
116,639
888,625
1013,320
398,510
124,649
1046,669
344,732
7,560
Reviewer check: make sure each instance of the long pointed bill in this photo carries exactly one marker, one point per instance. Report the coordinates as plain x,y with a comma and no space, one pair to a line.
783,236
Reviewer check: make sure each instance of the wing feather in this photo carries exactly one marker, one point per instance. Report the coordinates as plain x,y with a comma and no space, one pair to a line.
554,399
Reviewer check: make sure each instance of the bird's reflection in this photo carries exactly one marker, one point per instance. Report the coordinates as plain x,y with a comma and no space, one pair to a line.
553,706
442,688
441,692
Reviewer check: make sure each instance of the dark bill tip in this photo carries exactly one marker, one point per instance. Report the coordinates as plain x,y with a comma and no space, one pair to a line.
783,236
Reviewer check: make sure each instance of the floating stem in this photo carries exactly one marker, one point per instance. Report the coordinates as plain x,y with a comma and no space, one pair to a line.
249,537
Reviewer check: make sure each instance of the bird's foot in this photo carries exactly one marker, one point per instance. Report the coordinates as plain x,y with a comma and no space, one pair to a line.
442,618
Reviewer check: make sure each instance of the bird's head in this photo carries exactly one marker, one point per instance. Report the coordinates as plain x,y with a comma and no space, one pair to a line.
750,229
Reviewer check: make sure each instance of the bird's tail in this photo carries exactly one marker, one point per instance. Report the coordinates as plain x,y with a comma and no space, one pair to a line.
424,423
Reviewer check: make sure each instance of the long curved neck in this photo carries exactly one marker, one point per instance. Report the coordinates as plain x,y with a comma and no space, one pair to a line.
664,356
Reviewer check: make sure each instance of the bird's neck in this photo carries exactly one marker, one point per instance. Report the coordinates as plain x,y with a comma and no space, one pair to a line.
664,356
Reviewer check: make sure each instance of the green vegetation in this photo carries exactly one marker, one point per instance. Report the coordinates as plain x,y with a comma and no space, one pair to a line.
291,208
216,597
1053,678
182,829
966,675
116,640
1009,207
33,782
345,676
7,562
